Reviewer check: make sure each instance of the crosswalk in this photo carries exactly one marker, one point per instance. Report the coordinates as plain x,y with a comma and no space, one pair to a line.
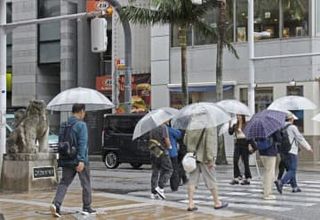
249,197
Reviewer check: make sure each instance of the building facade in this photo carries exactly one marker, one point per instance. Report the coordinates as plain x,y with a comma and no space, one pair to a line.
281,27
47,59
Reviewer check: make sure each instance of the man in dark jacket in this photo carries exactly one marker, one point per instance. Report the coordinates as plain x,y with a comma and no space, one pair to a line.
79,164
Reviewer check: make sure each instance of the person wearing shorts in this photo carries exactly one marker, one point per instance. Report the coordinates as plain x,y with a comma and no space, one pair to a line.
205,165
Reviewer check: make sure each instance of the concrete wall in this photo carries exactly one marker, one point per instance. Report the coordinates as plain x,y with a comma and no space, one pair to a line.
24,53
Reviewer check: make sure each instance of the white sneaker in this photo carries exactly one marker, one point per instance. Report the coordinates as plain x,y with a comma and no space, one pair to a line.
270,197
160,192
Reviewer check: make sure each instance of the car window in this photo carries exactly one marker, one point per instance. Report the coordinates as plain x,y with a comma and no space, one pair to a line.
121,125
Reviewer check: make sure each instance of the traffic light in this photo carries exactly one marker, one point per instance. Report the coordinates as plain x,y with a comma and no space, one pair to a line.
99,38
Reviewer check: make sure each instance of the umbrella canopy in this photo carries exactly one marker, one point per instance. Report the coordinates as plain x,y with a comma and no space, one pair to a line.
152,120
200,115
316,117
93,100
264,123
292,103
234,106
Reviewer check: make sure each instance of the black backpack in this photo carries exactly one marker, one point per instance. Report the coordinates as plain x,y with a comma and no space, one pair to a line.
284,145
67,144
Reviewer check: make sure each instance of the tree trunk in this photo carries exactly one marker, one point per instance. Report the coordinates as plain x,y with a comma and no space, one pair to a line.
184,75
221,154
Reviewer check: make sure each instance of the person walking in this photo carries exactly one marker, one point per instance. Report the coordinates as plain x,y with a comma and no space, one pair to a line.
160,161
174,135
268,158
242,148
77,165
201,142
295,138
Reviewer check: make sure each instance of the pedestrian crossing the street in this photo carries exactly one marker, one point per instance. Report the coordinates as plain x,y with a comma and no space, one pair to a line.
246,197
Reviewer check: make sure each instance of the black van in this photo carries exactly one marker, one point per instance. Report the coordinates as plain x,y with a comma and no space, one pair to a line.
117,144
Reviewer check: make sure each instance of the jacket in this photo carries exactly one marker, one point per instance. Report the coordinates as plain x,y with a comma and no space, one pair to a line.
174,135
296,138
204,153
273,150
80,135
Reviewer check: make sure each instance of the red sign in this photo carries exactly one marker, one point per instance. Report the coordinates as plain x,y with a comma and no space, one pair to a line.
104,83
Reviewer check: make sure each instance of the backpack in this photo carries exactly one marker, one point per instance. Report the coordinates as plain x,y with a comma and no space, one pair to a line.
285,145
264,143
155,148
67,144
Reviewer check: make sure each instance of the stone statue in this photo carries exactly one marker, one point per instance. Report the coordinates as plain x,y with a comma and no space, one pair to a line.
31,130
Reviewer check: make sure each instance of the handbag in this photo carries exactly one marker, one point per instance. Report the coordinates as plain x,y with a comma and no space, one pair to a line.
189,161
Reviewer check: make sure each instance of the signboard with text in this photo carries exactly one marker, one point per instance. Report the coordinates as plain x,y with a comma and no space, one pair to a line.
43,172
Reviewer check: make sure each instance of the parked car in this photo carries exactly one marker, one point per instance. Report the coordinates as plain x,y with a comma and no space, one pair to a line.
117,144
53,139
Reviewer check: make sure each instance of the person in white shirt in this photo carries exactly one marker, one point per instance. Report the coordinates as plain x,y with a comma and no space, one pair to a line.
296,138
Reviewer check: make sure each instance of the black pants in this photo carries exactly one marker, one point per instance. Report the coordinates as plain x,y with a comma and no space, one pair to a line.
241,149
161,171
175,177
283,165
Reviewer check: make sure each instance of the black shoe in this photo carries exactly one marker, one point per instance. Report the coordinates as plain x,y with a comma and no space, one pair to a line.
233,182
279,186
89,210
55,210
296,190
245,182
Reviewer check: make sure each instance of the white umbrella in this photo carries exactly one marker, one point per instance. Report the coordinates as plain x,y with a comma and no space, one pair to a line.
200,115
316,117
234,106
93,100
292,103
152,120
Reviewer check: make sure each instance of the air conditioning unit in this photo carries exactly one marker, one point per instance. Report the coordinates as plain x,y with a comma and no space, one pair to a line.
99,38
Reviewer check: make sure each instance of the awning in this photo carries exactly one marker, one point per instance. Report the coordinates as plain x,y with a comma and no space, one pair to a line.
201,87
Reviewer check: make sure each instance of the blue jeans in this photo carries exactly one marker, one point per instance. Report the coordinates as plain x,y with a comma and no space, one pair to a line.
290,176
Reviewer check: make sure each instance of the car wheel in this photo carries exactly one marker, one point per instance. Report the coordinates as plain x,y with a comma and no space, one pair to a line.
111,160
136,165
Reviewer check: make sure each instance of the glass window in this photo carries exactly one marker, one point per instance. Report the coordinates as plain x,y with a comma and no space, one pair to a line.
121,125
295,18
49,52
298,91
48,8
244,95
9,35
263,98
211,19
266,19
49,34
242,22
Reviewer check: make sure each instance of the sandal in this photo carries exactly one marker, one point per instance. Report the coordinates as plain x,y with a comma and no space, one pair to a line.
192,209
223,205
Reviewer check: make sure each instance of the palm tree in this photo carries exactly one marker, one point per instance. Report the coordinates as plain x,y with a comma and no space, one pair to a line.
221,154
180,13
183,14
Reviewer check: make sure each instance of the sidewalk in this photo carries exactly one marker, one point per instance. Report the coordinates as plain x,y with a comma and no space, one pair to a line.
35,206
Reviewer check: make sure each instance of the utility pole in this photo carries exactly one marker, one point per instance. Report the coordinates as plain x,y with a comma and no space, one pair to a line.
3,80
128,57
251,92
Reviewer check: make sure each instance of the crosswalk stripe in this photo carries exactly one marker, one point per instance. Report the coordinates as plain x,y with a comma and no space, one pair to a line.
249,196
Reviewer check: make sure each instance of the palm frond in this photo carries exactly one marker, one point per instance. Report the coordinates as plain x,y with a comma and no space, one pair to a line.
231,49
